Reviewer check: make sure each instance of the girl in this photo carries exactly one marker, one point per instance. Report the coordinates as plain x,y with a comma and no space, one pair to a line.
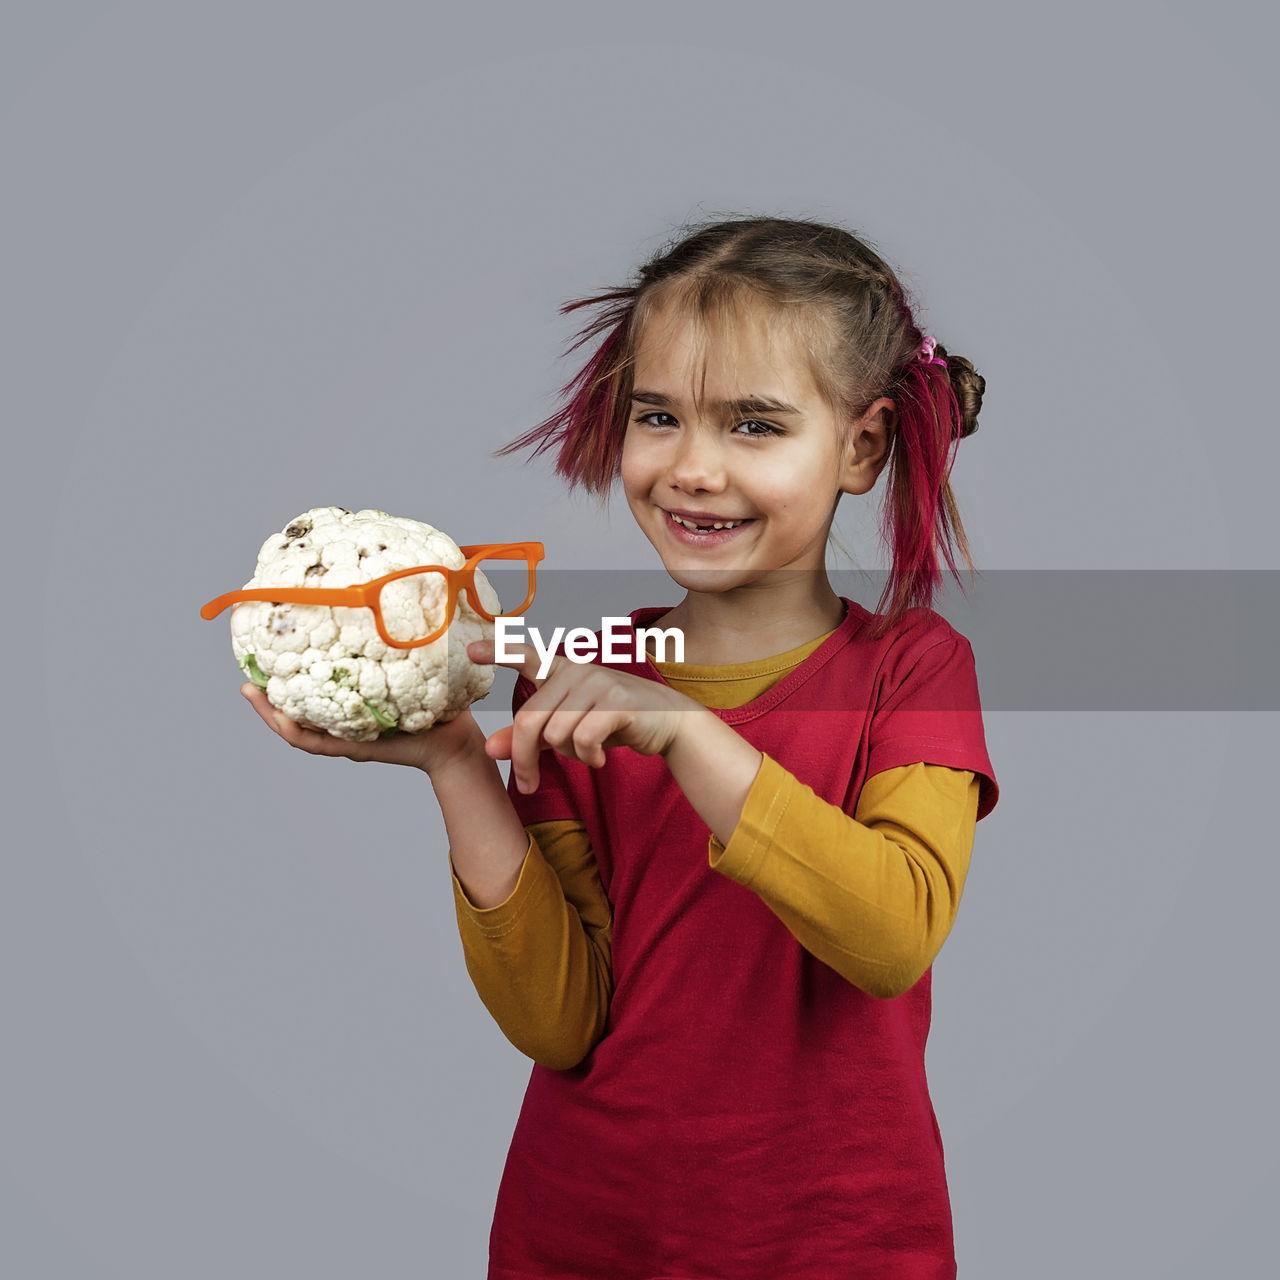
708,902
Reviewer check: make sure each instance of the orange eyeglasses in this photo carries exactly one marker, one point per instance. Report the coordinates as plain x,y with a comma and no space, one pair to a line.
406,595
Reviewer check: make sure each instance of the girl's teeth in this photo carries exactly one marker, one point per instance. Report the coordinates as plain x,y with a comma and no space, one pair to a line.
689,524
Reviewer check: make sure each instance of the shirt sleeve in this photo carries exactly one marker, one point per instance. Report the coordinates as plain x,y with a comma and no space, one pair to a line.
927,708
874,895
541,961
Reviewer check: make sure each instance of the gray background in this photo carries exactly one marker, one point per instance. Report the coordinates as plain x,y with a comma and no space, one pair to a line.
262,257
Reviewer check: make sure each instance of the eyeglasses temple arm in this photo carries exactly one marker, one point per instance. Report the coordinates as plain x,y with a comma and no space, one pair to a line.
353,597
504,551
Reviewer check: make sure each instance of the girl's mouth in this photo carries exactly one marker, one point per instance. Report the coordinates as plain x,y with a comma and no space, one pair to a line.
691,534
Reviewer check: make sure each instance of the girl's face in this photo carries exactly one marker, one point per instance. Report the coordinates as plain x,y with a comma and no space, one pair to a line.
763,457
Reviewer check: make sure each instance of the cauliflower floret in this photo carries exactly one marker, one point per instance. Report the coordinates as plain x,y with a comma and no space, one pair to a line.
327,667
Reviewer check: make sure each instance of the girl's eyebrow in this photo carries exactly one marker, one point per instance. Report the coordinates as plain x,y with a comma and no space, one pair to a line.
744,405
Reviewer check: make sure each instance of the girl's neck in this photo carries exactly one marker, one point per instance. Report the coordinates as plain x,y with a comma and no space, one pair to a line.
750,623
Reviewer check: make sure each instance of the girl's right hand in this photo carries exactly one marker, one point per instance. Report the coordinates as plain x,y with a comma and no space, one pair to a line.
430,750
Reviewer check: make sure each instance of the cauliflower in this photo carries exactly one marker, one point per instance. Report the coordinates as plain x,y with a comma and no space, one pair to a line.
327,667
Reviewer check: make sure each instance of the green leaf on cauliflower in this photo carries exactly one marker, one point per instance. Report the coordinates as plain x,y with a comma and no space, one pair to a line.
249,665
384,721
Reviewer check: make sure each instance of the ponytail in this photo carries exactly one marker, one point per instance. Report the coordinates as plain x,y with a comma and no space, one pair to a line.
919,512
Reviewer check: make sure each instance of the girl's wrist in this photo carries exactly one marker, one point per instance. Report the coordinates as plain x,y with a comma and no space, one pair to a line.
689,721
714,766
464,751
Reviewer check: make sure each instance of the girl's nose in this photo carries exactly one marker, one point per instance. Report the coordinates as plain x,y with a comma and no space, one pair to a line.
697,462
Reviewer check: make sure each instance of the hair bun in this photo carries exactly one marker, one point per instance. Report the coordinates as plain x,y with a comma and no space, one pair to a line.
968,385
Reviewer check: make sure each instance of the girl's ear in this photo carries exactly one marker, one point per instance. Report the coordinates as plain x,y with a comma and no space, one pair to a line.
866,448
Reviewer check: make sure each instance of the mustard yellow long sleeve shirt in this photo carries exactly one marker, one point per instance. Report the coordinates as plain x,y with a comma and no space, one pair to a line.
873,896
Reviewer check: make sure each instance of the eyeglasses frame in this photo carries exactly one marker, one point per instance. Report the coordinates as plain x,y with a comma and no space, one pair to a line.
365,594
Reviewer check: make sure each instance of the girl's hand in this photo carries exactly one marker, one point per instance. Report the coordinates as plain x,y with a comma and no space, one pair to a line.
579,709
430,750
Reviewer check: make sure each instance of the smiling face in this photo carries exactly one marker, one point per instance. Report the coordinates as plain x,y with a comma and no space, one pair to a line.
760,452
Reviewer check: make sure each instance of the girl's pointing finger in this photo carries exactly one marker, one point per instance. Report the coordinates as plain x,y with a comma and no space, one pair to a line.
502,746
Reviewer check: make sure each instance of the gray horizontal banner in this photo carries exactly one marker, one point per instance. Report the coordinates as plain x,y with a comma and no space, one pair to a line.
1053,640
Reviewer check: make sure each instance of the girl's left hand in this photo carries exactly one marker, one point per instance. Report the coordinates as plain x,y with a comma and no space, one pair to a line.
579,709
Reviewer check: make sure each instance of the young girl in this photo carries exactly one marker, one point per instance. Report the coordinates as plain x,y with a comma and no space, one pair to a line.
708,902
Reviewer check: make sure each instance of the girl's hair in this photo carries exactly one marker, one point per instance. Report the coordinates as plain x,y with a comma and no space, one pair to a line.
851,316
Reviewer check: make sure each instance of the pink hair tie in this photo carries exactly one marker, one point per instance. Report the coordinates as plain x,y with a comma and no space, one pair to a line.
926,355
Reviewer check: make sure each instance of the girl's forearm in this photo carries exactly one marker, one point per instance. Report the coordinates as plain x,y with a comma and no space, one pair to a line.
487,840
714,767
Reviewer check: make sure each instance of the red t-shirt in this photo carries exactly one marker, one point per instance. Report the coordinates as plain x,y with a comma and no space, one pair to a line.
748,1114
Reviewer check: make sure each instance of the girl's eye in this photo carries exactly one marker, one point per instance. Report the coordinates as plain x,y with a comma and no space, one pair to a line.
766,428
